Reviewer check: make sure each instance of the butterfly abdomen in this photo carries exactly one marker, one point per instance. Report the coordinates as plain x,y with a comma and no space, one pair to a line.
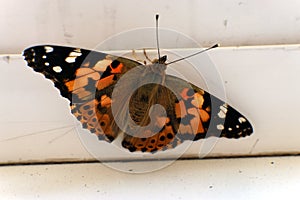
145,97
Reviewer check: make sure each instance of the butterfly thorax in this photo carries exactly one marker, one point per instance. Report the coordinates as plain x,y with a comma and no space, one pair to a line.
159,67
156,68
148,95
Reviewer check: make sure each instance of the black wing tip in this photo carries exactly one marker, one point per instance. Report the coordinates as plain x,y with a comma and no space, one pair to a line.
236,125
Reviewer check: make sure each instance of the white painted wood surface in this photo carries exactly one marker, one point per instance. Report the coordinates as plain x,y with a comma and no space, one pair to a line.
246,178
261,82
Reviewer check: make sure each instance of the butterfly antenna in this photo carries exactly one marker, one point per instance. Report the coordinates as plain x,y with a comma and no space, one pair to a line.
157,41
199,52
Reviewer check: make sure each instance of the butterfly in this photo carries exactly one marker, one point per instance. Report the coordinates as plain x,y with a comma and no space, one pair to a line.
97,85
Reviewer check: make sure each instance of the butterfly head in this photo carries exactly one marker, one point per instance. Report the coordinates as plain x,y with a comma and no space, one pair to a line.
161,60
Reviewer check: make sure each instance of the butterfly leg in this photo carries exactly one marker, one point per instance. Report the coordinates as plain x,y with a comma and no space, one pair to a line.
136,58
146,56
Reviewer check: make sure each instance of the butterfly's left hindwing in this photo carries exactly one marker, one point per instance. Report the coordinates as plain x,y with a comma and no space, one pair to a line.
88,78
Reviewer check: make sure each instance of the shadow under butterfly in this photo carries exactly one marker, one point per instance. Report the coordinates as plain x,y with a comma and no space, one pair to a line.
154,111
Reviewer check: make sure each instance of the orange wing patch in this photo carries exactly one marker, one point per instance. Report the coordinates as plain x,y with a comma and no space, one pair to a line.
154,143
116,70
105,82
102,124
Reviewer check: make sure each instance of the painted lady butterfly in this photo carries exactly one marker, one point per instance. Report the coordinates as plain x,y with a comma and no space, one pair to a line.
88,79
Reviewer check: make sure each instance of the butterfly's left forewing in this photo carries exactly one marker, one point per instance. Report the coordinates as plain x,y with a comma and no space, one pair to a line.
86,78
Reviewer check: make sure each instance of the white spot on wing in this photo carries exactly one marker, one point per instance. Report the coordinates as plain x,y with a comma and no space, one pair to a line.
48,49
47,64
57,69
73,55
242,120
224,108
220,127
221,114
223,111
78,50
70,59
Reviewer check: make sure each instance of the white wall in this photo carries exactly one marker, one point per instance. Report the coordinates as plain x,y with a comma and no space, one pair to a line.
87,23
